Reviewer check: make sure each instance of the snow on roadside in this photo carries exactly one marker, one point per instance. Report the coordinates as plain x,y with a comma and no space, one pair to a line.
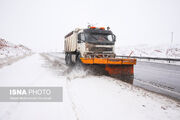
104,98
162,51
10,52
31,72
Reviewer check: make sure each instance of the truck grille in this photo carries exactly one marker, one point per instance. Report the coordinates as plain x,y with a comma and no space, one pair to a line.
100,49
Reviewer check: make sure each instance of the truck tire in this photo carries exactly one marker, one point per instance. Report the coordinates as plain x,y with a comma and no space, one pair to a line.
68,59
78,60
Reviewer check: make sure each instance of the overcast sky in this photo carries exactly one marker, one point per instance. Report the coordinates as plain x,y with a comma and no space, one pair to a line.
42,24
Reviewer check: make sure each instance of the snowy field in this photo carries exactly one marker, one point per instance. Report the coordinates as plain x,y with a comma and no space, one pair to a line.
85,96
162,51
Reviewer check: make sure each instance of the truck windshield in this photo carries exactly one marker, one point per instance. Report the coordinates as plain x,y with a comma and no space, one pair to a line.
99,38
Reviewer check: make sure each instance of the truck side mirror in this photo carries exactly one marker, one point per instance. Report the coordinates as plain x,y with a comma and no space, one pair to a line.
79,38
114,38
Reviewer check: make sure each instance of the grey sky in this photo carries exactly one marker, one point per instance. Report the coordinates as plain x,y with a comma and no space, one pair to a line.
42,24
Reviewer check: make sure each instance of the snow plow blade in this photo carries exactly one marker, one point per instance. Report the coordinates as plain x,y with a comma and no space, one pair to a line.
114,66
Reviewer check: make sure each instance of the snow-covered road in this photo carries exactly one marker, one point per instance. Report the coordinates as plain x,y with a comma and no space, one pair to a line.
85,96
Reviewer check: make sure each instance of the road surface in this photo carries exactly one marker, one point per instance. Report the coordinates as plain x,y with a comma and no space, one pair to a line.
158,77
85,96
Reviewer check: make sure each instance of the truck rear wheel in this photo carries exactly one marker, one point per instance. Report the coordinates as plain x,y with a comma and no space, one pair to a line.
68,59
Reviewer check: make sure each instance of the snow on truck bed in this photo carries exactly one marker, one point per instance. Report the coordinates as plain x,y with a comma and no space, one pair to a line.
85,96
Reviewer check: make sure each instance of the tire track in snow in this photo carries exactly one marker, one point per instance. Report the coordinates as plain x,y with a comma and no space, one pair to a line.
71,73
74,107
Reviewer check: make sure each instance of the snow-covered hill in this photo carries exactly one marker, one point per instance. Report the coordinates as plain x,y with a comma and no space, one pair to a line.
163,51
11,50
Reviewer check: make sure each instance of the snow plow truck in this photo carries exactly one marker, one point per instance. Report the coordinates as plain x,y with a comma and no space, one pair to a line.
95,46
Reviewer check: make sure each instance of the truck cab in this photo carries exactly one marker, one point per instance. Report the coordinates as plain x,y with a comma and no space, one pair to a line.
96,42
